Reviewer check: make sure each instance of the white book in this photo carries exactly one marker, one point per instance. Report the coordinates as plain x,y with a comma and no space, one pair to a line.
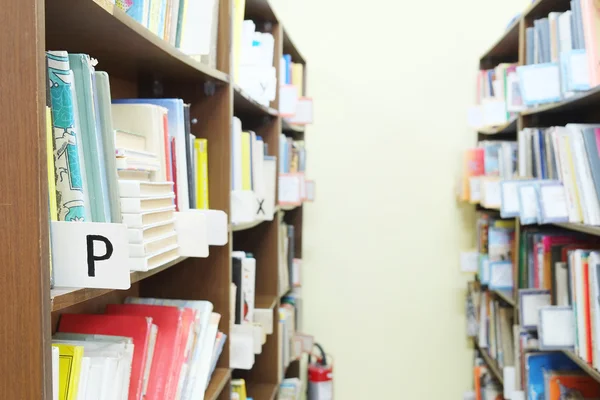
587,190
109,376
55,372
567,174
236,156
154,260
149,357
84,375
149,218
140,235
249,286
146,120
139,205
134,175
198,23
208,344
258,174
144,189
153,246
96,376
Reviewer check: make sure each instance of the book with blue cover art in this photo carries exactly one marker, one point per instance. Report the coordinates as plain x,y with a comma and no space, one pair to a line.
70,191
536,364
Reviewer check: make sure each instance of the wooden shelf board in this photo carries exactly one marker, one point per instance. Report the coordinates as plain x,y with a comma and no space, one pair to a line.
122,46
261,391
490,362
509,127
218,381
265,302
288,207
244,105
584,99
541,8
291,128
506,295
65,297
591,371
589,229
291,49
506,48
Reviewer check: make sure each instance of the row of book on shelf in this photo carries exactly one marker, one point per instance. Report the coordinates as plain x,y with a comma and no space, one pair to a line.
137,162
562,59
146,348
556,284
554,175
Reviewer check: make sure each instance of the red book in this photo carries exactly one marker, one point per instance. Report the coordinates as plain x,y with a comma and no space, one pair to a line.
184,346
167,151
174,169
587,311
169,320
136,327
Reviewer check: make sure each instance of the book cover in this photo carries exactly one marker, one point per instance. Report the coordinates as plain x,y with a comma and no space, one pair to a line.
571,385
202,195
537,363
169,322
70,195
69,369
189,149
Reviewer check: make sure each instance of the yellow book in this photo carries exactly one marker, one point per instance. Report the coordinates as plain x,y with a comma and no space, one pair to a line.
69,369
238,386
51,172
298,77
201,147
246,161
238,20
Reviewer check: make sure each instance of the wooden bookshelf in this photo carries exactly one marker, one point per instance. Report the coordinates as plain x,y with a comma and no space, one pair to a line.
579,108
139,64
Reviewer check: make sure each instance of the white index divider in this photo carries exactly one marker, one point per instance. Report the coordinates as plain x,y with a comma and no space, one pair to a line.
258,338
90,255
290,192
540,83
304,112
578,77
218,229
494,112
509,376
288,100
192,233
241,355
490,192
243,206
509,193
310,190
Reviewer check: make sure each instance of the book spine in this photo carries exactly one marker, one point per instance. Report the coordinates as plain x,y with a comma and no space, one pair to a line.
201,147
172,148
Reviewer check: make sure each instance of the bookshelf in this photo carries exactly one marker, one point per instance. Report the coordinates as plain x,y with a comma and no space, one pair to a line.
580,107
140,64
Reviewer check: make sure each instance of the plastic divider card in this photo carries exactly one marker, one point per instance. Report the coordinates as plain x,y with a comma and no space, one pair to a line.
528,202
90,255
540,83
556,328
531,300
304,112
243,206
509,207
218,229
474,189
288,100
494,112
552,201
192,233
575,70
501,277
484,269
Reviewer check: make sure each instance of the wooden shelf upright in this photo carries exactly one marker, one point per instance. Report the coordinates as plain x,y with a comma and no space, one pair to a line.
139,65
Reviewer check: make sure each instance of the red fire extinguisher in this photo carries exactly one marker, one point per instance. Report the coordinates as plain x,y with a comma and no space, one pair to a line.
320,377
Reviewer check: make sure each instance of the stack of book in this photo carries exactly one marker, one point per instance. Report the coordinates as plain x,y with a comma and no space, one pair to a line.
292,155
495,239
496,330
483,168
559,178
253,170
498,94
254,70
146,348
189,25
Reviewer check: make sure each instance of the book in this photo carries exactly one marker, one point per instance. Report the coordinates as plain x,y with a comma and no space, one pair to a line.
141,235
145,189
139,328
70,188
138,205
202,194
149,218
69,369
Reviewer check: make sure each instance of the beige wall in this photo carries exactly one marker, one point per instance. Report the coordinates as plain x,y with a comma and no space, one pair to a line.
382,287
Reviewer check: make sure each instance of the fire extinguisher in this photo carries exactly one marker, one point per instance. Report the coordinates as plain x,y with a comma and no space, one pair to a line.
320,377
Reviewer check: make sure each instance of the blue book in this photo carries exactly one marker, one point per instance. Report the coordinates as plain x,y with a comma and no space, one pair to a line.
93,146
136,9
163,17
176,127
591,148
288,68
536,364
